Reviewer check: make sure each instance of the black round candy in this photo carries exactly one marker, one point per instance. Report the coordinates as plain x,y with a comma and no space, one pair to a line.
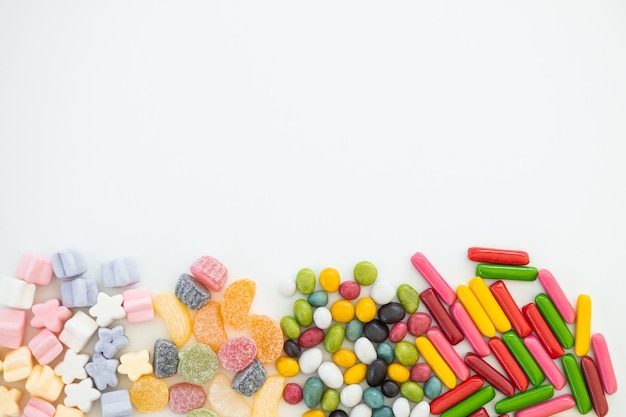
292,348
390,389
376,331
338,413
391,313
376,373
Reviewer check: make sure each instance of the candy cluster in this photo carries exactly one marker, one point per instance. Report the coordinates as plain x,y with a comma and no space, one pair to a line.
378,351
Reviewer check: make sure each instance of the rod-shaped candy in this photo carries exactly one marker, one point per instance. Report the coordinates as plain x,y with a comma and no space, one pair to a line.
547,365
498,256
548,408
523,357
489,374
583,325
475,311
556,294
517,273
471,403
447,352
510,308
441,316
433,277
604,363
543,332
456,395
473,335
576,383
435,361
508,363
555,321
594,385
525,399
490,304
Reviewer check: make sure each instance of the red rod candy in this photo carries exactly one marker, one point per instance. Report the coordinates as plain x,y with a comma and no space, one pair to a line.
456,395
441,316
510,308
490,374
594,385
542,330
498,256
508,363
481,412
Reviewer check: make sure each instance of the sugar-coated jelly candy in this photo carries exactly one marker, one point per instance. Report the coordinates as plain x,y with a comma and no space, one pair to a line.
184,397
548,408
36,407
489,374
236,302
107,309
81,395
120,272
116,404
138,305
434,279
191,292
508,363
12,327
43,383
210,272
149,394
15,293
475,311
267,399
250,379
456,395
583,325
465,323
18,364
45,346
175,315
556,294
50,315
135,364
525,399
224,400
72,366
103,371
576,383
34,269
68,263
197,364
497,256
237,353
545,362
471,403
208,326
604,363
594,385
555,321
490,304
79,292
77,331
435,361
165,358
267,336
110,341
510,308
441,316
10,401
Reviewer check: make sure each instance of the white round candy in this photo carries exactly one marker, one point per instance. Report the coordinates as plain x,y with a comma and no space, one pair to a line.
401,407
422,409
351,395
322,318
287,288
330,374
365,350
382,292
310,360
361,410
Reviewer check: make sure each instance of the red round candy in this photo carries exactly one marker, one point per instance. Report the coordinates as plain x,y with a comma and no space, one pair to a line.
397,332
350,290
185,397
420,372
418,323
311,337
292,394
237,353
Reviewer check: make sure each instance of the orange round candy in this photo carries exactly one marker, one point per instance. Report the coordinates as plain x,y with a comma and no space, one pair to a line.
149,394
268,336
208,326
236,303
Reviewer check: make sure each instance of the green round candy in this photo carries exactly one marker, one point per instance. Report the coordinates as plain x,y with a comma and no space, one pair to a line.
412,391
385,352
406,353
312,391
305,281
365,273
334,338
303,312
354,330
408,297
318,298
373,398
197,364
330,400
201,412
384,411
290,327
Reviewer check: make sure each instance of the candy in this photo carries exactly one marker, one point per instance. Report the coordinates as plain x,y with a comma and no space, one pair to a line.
408,297
421,409
310,360
373,398
576,383
65,411
583,325
510,308
68,263
18,364
361,410
475,311
384,411
250,379
456,395
15,293
12,327
490,305
165,358
554,320
350,290
292,394
523,358
418,323
406,353
50,315
184,397
45,346
390,389
365,273
391,313
471,403
435,361
330,374
548,408
401,407
432,387
267,399
351,395
292,349
135,364
344,358
376,331
341,310
412,391
334,338
79,292
36,407
508,363
473,335
355,374
236,302
322,317
290,327
305,281
287,366
543,332
365,350
237,353
9,401
497,256
34,269
605,365
148,394
138,305
210,272
448,353
398,373
545,362
354,330
434,279
81,395
287,287
197,364
330,400
398,332
208,326
120,272
72,367
43,383
329,279
116,404
513,272
594,385
382,292
107,309
103,371
311,337
318,298
525,399
176,316
365,309
77,331
314,413
191,292
376,372
441,316
110,341
489,374
481,412
556,294
420,372
267,335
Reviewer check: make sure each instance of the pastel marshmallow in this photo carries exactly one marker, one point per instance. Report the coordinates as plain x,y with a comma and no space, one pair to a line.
110,341
45,347
81,395
16,293
36,407
34,269
12,327
68,263
210,272
116,404
138,305
77,331
72,366
17,365
65,411
107,309
50,315
10,401
135,364
120,272
103,371
43,383
79,292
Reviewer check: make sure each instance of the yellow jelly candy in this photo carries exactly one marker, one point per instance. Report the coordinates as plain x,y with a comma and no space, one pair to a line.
267,399
344,358
342,311
44,383
149,394
176,316
18,364
208,326
365,309
65,411
268,336
236,303
10,401
329,279
355,374
224,400
287,366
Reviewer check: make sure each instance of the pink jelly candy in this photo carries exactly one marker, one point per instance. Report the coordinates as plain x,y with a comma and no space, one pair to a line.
34,269
210,272
51,315
185,397
235,354
12,327
45,347
292,394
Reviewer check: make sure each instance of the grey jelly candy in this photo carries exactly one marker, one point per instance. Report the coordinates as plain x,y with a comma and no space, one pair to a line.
116,404
68,263
250,379
79,292
191,292
165,358
120,272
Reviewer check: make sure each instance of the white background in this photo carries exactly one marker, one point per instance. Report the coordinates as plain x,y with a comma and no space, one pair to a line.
288,134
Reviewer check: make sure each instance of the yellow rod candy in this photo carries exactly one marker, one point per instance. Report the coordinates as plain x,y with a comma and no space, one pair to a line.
489,303
475,311
435,361
176,316
583,325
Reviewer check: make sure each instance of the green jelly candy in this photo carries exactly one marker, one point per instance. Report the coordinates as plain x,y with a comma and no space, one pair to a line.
385,352
318,298
290,327
384,411
433,387
555,321
354,330
303,312
471,403
330,400
496,271
373,398
201,412
305,281
408,297
365,273
406,353
197,364
334,338
525,399
576,383
412,391
312,391
523,358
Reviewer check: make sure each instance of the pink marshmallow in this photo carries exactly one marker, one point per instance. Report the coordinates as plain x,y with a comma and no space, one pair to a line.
138,305
37,407
34,269
556,294
210,272
434,278
51,315
12,327
45,346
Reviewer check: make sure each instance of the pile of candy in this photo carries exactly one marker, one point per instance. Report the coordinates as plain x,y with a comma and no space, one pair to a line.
378,354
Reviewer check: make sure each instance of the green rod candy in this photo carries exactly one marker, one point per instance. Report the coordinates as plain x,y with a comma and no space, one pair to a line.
555,321
495,271
471,403
576,383
523,358
525,399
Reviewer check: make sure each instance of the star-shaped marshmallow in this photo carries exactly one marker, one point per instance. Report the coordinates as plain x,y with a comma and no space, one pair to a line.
135,364
102,370
51,315
110,340
72,367
10,401
81,395
107,309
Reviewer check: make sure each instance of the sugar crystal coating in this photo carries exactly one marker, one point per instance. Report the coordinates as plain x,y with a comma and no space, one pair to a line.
224,400
185,397
268,336
267,399
201,412
149,394
191,292
175,315
236,302
210,272
250,379
237,353
208,325
197,364
165,358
